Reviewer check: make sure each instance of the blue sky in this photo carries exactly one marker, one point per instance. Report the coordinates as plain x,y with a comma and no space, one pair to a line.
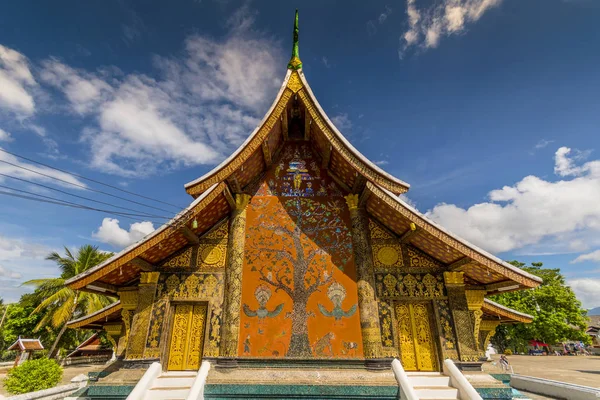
488,108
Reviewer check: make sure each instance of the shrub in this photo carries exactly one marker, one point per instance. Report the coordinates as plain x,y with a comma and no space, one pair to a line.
33,375
508,352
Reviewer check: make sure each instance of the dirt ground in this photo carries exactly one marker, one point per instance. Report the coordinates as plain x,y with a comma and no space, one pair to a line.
69,373
579,370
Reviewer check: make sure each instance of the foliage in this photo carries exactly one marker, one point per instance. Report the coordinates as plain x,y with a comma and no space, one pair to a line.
33,375
508,352
557,313
58,303
21,321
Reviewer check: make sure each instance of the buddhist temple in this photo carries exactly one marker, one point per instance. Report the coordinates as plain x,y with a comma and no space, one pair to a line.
298,252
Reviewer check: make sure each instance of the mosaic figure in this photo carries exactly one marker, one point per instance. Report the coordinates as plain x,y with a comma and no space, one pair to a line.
337,294
262,294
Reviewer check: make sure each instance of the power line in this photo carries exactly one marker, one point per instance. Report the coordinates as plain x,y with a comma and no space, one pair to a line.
92,180
81,186
82,197
65,203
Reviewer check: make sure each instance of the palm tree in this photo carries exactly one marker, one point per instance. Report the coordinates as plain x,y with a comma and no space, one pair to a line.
58,302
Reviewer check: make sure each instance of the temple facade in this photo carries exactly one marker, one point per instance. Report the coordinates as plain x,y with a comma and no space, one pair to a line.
299,250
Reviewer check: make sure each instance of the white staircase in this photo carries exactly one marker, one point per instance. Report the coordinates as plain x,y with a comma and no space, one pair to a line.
171,385
432,385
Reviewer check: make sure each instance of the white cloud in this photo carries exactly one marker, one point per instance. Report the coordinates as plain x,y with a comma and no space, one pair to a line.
587,291
203,104
381,162
83,90
326,62
564,213
342,122
8,273
111,233
593,256
16,82
5,136
543,143
15,249
32,172
427,26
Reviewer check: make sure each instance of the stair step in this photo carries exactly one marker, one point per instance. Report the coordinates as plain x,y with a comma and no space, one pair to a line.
429,381
166,393
436,392
172,381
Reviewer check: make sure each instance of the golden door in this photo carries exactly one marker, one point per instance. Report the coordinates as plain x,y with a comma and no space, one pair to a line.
417,347
187,337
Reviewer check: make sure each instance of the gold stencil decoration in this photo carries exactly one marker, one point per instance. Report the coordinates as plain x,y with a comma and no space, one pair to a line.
183,260
388,255
295,83
417,347
220,232
211,255
377,232
418,260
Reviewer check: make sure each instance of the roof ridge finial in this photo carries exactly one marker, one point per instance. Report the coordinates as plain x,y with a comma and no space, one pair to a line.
295,62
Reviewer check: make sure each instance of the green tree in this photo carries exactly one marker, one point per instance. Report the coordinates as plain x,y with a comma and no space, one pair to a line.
58,303
557,312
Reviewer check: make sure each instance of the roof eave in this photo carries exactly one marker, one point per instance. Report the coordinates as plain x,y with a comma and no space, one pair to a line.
188,186
71,282
531,280
395,181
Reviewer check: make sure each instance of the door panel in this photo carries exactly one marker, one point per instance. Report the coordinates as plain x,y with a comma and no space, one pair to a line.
417,346
187,337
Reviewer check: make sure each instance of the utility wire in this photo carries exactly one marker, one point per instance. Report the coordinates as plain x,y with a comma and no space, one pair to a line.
91,180
83,187
82,197
54,200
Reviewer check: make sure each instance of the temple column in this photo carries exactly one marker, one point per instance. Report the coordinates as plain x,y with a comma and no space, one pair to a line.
363,259
129,300
463,323
475,302
487,330
114,332
141,319
233,279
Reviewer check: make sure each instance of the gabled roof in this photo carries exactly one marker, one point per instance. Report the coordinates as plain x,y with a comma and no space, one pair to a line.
494,310
26,344
125,266
110,313
479,266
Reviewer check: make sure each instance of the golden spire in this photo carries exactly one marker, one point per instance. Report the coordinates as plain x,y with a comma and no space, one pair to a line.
295,62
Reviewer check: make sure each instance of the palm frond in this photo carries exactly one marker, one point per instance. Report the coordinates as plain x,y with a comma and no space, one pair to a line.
62,314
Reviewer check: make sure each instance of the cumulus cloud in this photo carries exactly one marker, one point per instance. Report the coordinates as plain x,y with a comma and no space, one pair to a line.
5,136
111,233
16,83
202,104
427,26
593,256
15,249
8,273
533,210
587,291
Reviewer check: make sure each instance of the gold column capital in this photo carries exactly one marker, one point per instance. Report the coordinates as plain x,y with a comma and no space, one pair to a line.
454,278
475,299
352,201
241,201
129,299
114,329
149,277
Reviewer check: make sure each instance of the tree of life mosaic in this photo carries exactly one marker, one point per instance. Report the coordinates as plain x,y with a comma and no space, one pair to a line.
299,294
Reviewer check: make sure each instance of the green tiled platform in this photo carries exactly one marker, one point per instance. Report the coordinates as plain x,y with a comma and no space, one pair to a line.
297,392
103,392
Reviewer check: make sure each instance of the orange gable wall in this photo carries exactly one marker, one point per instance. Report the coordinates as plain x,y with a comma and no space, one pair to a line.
299,292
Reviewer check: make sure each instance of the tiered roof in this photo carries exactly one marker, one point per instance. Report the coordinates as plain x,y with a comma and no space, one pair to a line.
378,190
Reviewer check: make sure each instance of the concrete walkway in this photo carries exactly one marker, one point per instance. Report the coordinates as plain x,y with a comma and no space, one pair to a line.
579,370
